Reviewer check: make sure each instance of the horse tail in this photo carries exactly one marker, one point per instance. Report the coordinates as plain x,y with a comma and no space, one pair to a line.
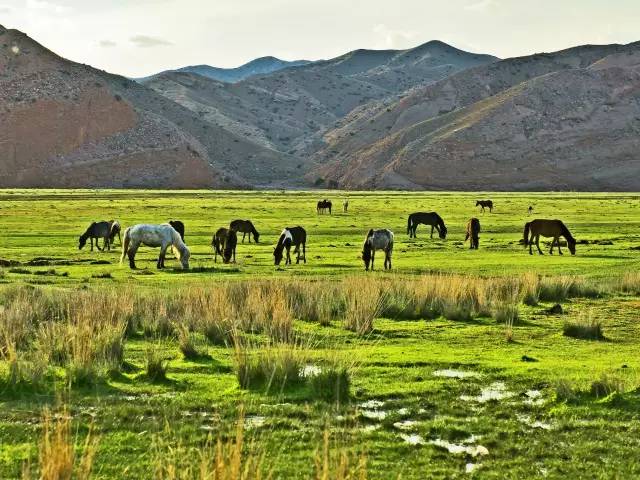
125,243
527,227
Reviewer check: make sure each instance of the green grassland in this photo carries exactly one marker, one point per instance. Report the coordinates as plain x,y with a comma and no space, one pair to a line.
531,400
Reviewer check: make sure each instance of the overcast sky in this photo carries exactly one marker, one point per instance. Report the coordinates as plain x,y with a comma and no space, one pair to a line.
140,37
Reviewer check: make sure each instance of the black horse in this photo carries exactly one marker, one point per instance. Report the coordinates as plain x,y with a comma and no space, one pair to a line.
95,231
295,236
178,226
430,218
245,226
473,233
224,243
485,204
323,206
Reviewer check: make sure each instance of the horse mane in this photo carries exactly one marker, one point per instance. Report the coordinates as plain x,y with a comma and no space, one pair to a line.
566,233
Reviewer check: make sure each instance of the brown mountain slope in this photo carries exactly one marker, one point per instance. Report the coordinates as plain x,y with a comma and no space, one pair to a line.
69,125
571,128
288,110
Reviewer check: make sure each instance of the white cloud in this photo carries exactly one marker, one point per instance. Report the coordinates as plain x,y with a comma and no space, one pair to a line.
47,6
145,41
481,5
107,43
394,38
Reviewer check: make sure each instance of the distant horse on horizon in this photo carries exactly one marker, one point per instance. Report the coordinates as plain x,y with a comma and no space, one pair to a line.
426,218
323,206
96,231
291,236
377,240
245,226
548,228
163,236
473,233
345,205
485,203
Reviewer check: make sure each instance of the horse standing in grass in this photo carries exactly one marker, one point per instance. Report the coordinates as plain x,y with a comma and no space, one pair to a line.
377,240
245,226
530,209
163,236
179,227
294,236
473,233
224,243
96,231
548,228
485,204
115,230
323,206
430,218
345,205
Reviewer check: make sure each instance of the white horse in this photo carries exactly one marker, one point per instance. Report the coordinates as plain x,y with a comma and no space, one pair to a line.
163,236
377,240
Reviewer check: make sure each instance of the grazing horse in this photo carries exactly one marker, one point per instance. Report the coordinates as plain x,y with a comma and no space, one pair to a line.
224,243
485,203
163,236
179,227
377,240
295,236
473,233
548,228
95,231
245,226
345,205
115,230
323,206
530,209
431,218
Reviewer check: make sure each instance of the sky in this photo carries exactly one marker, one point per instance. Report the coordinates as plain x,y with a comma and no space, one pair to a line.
140,37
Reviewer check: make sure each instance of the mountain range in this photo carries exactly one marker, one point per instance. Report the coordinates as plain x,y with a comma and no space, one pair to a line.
430,117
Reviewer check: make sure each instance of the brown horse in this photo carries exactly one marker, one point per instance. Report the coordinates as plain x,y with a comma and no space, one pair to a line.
244,227
473,233
426,218
323,206
224,243
485,204
548,228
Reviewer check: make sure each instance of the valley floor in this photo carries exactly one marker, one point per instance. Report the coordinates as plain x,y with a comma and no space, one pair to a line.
455,364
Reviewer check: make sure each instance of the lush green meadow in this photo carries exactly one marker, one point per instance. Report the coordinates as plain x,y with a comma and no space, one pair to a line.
479,381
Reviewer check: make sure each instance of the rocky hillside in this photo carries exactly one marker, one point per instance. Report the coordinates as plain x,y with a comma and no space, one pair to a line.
69,125
289,110
566,120
259,66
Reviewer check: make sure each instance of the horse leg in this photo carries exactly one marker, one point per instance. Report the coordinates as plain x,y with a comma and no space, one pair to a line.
553,242
243,235
559,251
538,244
163,252
530,241
131,253
304,252
431,231
373,257
288,261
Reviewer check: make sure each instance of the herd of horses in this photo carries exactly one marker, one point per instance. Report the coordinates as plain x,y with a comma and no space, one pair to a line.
171,235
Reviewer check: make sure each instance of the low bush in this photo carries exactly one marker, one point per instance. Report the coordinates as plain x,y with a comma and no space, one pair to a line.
586,329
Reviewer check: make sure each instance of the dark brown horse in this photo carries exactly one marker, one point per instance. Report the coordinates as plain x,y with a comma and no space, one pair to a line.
473,233
294,236
224,243
323,206
485,204
178,227
96,231
548,228
244,227
430,218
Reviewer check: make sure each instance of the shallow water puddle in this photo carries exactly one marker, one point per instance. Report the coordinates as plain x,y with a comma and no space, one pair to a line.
371,428
473,450
495,391
527,420
372,404
374,414
470,467
254,421
533,397
405,425
412,439
310,371
451,373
